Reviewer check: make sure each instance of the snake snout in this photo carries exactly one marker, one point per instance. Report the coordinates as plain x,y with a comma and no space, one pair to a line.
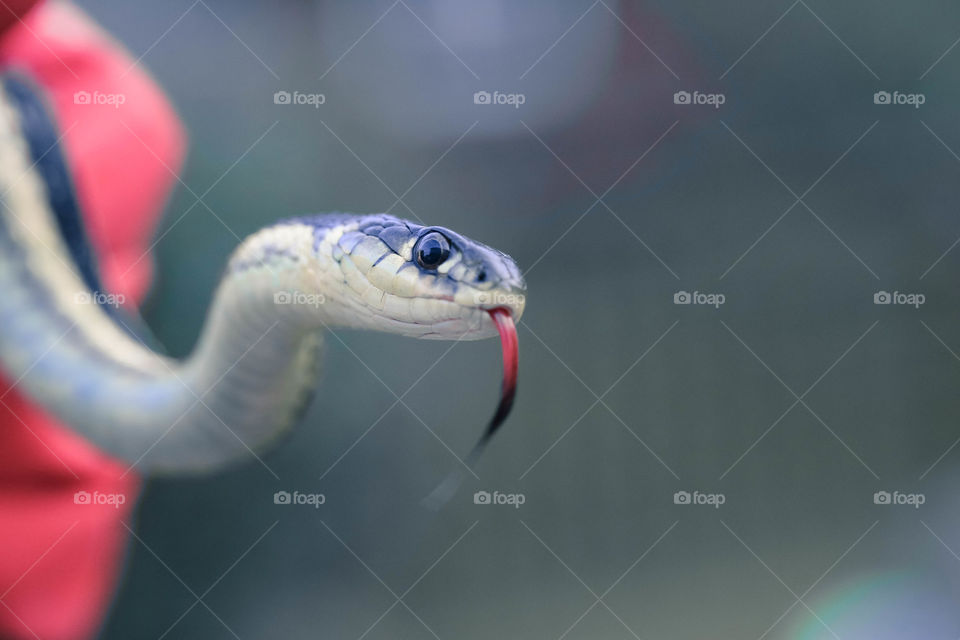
496,278
510,295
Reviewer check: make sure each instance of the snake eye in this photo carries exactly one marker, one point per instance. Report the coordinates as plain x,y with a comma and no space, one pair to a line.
431,250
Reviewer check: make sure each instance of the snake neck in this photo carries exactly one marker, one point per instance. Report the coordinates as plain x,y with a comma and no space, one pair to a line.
65,344
246,382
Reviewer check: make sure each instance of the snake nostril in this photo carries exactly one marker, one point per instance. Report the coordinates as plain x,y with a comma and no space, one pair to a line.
482,276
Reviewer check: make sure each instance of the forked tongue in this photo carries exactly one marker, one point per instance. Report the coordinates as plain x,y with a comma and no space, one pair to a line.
508,389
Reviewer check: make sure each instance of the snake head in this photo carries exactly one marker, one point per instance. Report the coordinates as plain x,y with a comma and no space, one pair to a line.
394,275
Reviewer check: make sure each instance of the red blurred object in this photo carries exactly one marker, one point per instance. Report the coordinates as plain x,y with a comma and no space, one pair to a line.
60,560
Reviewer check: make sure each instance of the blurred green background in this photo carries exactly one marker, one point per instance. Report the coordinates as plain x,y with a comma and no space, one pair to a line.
613,198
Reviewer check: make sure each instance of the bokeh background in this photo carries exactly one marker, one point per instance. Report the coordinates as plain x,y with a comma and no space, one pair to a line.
798,399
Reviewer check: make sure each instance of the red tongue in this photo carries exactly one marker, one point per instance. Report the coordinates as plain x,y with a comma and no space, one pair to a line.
511,359
511,362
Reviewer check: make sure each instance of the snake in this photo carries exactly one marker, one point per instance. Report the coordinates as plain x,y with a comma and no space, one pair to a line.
86,359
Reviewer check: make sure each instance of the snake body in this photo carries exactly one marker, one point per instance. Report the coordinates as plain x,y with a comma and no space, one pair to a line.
255,364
